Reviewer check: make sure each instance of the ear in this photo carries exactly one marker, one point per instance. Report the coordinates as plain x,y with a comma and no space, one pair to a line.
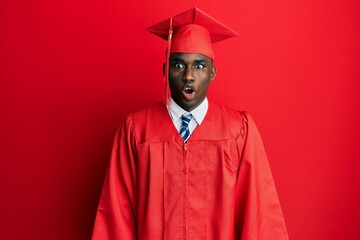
164,69
213,73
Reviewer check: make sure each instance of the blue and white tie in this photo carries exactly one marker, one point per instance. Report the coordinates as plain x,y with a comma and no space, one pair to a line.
184,131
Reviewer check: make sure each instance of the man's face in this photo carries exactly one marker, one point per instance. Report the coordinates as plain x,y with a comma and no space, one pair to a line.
189,78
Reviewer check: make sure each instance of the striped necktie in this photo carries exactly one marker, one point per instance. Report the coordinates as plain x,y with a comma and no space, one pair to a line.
184,131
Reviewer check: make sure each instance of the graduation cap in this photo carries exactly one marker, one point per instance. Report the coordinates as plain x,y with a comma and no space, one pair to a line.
192,31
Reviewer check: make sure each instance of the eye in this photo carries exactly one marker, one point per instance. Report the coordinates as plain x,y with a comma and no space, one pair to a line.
199,66
178,65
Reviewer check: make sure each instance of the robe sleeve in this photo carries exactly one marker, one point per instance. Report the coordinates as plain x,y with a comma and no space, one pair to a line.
258,214
115,218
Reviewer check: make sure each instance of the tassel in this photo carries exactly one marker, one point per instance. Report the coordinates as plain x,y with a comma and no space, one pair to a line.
166,77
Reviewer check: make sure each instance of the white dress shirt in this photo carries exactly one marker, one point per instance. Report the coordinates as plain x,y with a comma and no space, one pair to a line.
175,112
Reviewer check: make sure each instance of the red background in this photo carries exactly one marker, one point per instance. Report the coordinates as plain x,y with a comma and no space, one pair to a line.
71,71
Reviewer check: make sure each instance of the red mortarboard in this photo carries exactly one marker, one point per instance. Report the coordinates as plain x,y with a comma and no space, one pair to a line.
192,31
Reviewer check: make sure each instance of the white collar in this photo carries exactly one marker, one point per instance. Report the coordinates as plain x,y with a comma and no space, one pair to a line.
198,113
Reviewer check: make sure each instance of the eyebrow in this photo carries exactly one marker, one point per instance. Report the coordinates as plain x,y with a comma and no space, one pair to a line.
177,59
199,61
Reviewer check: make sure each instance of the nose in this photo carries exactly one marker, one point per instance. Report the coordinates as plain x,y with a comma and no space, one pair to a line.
188,75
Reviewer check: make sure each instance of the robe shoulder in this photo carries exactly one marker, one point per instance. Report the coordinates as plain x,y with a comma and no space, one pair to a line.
151,123
226,122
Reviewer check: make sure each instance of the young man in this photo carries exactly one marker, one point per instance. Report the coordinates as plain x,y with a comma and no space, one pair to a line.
190,169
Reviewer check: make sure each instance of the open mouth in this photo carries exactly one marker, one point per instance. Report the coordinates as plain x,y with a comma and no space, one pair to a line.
189,93
189,90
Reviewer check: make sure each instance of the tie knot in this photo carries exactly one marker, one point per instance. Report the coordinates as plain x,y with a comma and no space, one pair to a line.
186,117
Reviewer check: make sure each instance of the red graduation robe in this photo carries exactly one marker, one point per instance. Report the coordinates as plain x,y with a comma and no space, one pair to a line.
217,186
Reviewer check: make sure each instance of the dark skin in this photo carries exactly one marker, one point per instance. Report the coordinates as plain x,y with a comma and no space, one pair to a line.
190,75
